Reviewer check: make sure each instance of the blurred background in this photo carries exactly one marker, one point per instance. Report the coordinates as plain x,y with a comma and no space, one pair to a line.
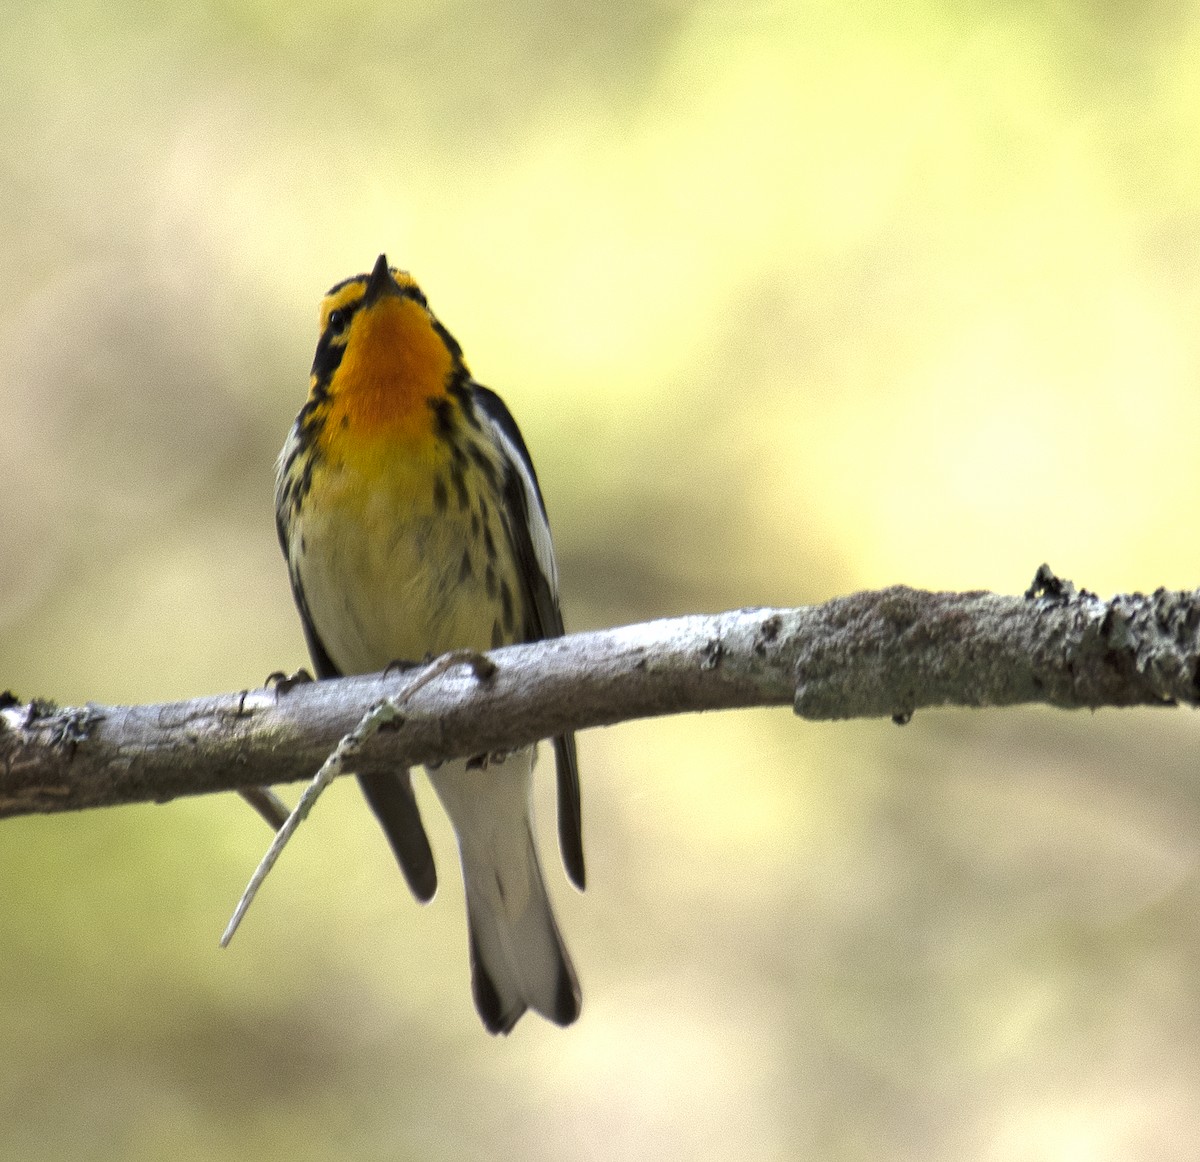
790,299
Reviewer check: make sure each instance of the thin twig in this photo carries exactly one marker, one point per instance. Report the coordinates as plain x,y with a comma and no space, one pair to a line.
382,714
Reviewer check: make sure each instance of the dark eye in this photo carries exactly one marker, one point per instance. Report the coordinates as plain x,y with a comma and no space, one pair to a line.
336,322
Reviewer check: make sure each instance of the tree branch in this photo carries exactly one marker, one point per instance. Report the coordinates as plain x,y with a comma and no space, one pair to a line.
888,652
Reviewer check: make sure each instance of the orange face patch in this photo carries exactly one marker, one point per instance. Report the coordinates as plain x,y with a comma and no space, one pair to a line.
394,362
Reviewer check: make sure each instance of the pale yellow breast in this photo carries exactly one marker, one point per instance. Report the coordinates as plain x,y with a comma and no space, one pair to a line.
389,573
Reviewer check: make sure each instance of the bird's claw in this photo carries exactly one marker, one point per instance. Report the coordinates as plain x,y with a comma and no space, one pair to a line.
282,682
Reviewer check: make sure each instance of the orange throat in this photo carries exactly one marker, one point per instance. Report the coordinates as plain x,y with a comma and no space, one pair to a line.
395,363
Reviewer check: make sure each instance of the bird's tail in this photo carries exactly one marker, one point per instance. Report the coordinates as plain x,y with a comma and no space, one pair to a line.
518,959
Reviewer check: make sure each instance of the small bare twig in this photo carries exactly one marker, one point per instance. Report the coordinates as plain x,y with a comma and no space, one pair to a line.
382,714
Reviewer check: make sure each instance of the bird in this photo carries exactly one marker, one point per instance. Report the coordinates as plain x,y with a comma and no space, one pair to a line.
413,524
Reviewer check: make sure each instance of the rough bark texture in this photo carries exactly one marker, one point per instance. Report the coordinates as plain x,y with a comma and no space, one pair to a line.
888,652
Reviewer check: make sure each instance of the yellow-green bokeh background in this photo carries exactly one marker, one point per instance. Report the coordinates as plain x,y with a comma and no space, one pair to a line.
789,299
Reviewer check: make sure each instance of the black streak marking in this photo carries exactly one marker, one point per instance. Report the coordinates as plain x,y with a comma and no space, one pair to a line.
443,416
506,604
460,372
328,357
459,481
485,464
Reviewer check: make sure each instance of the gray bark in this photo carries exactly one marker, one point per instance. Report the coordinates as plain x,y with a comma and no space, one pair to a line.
887,652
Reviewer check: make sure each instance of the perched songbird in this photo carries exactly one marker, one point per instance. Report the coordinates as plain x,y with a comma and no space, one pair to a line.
413,524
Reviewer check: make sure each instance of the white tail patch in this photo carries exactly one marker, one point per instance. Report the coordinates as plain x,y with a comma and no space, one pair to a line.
518,960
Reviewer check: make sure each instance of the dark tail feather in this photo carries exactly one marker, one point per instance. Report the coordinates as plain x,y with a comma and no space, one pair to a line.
498,1014
570,812
391,797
